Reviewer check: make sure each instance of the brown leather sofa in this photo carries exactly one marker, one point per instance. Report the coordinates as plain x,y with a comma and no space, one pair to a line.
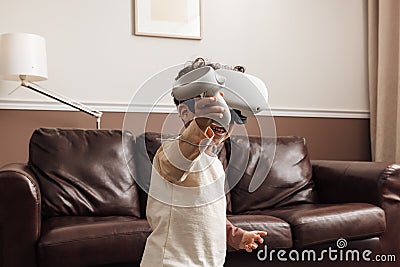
76,202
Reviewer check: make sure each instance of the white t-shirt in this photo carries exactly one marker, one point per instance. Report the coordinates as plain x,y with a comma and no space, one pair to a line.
188,218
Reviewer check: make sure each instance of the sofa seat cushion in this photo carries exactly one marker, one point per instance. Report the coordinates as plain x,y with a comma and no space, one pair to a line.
313,224
87,241
279,233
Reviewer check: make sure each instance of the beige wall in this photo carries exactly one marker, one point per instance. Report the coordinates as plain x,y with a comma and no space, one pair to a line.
310,53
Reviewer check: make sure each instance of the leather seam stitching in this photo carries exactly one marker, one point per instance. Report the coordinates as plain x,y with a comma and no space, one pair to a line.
88,239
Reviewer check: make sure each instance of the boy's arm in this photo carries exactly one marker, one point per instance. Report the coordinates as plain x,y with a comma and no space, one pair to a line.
242,239
175,158
234,235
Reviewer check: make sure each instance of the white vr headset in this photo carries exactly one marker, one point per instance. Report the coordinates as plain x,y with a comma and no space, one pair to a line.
245,94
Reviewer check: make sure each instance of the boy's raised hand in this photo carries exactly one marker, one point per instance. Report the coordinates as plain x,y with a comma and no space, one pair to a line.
250,239
205,109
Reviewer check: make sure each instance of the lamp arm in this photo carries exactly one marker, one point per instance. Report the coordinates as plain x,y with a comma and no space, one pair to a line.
65,100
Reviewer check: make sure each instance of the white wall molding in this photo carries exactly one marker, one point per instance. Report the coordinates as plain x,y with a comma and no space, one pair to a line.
164,108
320,113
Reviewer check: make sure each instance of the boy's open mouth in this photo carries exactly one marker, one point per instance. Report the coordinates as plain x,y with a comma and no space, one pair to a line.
218,130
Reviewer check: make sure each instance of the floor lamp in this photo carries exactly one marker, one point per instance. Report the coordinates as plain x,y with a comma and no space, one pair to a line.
23,58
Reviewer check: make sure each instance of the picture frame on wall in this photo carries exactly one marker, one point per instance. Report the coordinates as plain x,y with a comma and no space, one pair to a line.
168,18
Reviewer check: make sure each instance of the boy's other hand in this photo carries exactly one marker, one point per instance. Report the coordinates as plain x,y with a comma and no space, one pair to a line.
250,239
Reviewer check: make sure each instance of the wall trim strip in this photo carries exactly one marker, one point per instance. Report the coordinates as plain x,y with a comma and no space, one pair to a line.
165,108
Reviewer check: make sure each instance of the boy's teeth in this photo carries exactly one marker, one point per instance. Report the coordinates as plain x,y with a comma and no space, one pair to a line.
218,130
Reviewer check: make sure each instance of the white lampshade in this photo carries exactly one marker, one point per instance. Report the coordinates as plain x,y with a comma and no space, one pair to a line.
23,54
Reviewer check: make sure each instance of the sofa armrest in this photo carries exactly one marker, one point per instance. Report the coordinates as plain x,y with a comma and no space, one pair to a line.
351,181
20,216
370,182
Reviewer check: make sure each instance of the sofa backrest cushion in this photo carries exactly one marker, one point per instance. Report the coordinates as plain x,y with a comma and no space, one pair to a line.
145,149
286,166
84,172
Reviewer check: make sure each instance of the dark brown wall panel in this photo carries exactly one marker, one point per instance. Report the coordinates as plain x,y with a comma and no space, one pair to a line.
339,139
330,138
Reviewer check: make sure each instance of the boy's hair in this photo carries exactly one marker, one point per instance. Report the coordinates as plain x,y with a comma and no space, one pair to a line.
201,62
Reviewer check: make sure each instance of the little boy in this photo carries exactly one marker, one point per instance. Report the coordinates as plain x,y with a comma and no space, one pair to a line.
186,208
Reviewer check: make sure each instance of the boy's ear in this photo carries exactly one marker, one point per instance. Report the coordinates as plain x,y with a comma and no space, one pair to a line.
183,111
